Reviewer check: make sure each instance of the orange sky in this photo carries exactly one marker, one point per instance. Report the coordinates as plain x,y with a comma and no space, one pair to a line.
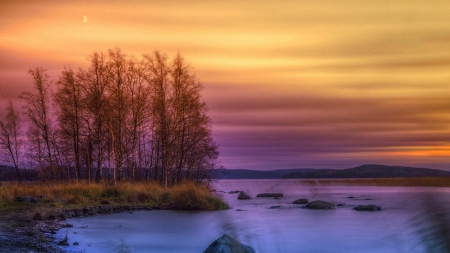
288,83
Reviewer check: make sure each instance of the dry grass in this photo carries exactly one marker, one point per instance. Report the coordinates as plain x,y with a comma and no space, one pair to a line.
185,196
408,182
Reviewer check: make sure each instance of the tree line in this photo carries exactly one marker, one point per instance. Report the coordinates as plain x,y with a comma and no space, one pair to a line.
121,118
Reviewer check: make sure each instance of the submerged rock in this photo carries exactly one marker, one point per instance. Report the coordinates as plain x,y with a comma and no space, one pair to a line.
269,195
227,244
320,204
367,208
301,202
243,195
275,207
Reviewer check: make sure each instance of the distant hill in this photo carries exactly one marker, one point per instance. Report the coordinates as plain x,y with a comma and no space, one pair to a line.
8,173
370,171
256,174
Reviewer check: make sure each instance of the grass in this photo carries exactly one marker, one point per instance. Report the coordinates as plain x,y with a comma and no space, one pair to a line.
186,196
407,182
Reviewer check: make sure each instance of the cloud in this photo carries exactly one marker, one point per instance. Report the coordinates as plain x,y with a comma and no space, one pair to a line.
288,84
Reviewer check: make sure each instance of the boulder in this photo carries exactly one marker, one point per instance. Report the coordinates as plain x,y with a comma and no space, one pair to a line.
243,195
233,192
367,208
227,244
301,202
275,207
320,204
27,199
269,195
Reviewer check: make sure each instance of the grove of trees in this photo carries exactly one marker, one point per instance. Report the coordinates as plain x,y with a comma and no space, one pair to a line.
121,118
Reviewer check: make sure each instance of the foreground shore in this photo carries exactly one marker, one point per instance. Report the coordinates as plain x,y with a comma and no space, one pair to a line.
30,214
27,232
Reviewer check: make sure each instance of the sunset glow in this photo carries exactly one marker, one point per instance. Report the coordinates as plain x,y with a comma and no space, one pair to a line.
289,84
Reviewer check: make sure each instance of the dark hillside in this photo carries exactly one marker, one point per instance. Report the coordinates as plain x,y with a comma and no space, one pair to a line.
371,171
8,173
256,174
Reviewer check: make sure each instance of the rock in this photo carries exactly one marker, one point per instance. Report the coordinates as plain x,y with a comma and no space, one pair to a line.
243,195
367,208
275,207
351,197
27,199
64,242
51,217
76,243
320,204
301,202
227,244
38,216
233,192
67,225
270,195
341,204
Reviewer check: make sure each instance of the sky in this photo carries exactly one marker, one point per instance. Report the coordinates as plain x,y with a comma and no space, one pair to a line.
289,84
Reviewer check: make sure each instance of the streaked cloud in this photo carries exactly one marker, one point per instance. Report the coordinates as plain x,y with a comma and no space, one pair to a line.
288,83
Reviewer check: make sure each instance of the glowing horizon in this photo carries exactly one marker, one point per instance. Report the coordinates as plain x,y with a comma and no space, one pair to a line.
290,84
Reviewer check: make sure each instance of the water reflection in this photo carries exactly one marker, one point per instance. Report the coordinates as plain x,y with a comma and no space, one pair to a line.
433,223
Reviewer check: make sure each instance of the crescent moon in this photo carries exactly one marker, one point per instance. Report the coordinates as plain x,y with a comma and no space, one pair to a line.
84,19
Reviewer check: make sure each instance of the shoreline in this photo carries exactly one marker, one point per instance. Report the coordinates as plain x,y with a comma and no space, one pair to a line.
30,214
19,233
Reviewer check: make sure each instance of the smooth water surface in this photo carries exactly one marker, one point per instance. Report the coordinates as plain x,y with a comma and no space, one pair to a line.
286,229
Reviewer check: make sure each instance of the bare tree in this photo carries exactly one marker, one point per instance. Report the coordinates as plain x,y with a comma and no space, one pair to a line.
9,137
68,99
139,93
195,151
139,118
94,83
157,75
119,106
37,112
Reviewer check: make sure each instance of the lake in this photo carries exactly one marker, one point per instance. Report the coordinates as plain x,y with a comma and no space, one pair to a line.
286,229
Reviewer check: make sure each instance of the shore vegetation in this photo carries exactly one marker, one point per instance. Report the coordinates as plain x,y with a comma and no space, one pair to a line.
57,197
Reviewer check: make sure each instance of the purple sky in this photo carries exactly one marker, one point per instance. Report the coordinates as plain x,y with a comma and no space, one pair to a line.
289,84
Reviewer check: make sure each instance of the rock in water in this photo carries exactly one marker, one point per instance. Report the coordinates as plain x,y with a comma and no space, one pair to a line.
270,195
227,244
367,208
243,195
301,202
320,204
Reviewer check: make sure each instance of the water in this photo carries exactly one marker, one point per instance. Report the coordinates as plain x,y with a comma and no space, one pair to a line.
288,229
